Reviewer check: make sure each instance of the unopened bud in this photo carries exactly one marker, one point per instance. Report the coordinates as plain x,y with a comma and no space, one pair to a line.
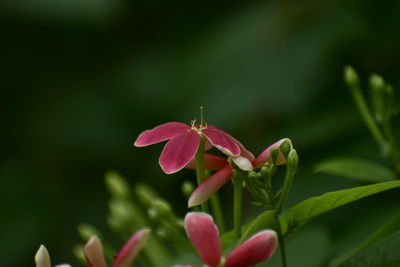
159,208
145,194
350,76
86,231
116,184
187,188
274,154
293,159
77,250
376,82
285,147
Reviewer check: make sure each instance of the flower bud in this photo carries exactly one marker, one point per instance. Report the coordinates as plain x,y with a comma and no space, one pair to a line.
376,82
159,209
285,147
145,194
116,184
187,188
351,76
274,154
293,159
86,231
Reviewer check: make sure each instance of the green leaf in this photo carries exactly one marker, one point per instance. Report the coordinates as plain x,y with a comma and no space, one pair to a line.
389,227
263,221
300,214
384,253
358,169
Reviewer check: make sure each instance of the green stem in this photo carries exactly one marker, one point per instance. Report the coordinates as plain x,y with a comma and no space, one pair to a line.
217,212
281,240
237,202
278,226
286,188
200,172
367,116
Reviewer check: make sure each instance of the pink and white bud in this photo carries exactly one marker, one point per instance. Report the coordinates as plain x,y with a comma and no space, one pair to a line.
265,156
204,235
258,248
131,249
42,257
94,254
211,185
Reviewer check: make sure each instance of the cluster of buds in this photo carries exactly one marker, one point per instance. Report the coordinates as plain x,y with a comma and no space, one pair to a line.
94,254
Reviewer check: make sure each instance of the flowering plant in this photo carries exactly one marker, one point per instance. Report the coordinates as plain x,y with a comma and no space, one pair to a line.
173,241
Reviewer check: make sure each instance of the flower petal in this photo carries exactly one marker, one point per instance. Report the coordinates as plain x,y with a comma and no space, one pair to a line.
63,265
243,151
243,163
161,133
260,247
204,235
179,152
42,257
93,252
266,157
131,249
211,185
221,141
211,162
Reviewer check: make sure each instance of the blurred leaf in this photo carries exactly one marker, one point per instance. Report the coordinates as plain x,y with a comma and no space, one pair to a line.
384,253
300,214
263,221
358,169
313,241
386,229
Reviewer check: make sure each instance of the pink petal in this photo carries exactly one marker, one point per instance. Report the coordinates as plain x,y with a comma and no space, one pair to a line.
243,151
260,247
131,249
93,252
211,162
42,257
221,141
161,133
179,152
213,183
243,163
204,235
266,157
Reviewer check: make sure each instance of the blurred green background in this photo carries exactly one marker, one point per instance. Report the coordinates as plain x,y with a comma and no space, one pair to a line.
81,79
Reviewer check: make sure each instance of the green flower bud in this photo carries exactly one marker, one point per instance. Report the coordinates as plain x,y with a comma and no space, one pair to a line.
86,231
376,82
116,184
293,159
285,147
350,76
159,209
187,188
274,154
77,250
145,194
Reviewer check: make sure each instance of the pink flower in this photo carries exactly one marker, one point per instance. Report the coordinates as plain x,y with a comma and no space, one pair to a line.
184,141
204,235
213,183
94,255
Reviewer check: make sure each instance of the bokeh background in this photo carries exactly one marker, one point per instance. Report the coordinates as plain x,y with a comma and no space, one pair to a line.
81,79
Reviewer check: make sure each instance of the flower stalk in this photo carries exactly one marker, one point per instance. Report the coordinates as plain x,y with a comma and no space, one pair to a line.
238,178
